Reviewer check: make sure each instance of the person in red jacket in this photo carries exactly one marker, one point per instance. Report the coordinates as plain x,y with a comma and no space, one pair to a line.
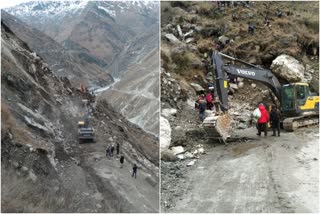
263,120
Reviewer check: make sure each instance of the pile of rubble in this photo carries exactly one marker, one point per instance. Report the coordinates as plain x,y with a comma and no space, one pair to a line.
171,92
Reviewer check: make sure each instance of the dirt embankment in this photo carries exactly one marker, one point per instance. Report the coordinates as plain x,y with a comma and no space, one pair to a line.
44,169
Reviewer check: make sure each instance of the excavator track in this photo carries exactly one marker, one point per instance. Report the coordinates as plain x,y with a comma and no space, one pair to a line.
293,123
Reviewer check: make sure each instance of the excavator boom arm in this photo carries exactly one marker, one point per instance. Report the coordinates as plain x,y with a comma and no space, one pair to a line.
254,73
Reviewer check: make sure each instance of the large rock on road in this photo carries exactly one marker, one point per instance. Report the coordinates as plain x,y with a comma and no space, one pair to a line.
288,68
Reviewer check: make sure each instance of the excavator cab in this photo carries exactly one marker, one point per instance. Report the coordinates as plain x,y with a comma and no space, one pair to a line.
296,99
85,132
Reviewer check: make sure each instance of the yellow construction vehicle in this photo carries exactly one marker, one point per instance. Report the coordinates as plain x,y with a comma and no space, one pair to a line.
85,133
299,107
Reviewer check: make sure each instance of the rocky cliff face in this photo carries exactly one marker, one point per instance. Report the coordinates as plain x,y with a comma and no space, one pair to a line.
120,37
136,95
100,29
43,168
64,62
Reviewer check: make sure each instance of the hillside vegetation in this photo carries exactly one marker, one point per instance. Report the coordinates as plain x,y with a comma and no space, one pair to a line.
296,33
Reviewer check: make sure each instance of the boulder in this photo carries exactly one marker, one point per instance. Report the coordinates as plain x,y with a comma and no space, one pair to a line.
32,123
178,128
188,34
197,87
33,67
242,126
224,40
177,150
240,85
189,40
201,150
181,157
168,27
209,77
209,113
191,163
190,103
15,164
253,85
179,31
171,38
233,86
24,168
240,79
165,133
32,176
188,155
167,155
288,68
168,112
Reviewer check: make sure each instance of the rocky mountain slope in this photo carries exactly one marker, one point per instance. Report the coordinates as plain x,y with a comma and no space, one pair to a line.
189,30
99,29
62,61
121,38
43,168
136,95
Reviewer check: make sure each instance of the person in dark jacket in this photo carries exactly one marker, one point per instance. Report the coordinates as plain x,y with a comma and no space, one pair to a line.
112,150
275,120
202,107
108,151
263,120
251,28
118,148
134,171
121,161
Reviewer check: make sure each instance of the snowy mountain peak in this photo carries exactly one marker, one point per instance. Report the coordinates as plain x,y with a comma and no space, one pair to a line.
58,9
48,8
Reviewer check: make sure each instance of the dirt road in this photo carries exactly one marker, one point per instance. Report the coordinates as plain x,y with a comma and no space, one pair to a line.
265,174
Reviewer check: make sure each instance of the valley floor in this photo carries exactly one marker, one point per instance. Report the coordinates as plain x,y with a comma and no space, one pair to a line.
264,174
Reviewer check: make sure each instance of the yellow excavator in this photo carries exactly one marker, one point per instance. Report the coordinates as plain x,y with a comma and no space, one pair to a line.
85,132
299,107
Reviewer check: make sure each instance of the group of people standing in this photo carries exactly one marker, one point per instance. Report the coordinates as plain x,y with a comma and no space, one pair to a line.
110,150
205,102
109,153
265,117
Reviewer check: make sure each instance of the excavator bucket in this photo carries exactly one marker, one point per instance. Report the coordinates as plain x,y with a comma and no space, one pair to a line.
217,126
